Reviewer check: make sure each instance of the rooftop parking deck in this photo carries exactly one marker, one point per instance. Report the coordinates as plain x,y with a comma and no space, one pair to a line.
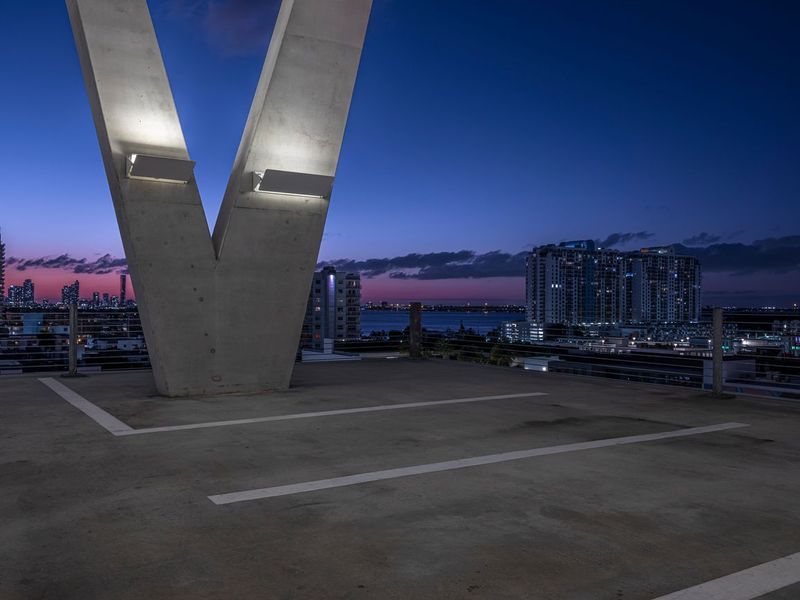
395,479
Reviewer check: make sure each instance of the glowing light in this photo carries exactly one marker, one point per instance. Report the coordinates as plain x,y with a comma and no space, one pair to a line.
160,168
287,183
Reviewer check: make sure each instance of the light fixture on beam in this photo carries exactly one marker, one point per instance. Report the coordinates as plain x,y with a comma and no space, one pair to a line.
160,168
289,183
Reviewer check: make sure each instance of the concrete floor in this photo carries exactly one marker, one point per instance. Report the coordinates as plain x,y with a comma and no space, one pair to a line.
86,515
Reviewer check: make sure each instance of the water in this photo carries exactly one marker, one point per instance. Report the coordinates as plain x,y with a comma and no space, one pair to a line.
387,320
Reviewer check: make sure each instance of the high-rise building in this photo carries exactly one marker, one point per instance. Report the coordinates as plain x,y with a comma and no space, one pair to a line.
15,295
577,283
663,287
123,284
70,294
28,294
334,308
574,283
95,299
106,299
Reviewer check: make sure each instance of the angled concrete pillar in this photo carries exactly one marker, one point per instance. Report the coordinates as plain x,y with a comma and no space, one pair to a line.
222,313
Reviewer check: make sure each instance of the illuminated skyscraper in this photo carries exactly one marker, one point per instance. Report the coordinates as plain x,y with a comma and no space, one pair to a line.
574,283
28,294
663,287
70,293
577,283
334,308
15,295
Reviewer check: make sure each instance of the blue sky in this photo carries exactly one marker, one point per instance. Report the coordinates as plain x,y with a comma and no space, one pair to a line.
479,125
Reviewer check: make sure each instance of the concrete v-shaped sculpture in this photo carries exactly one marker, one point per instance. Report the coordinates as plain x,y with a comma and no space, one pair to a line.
222,313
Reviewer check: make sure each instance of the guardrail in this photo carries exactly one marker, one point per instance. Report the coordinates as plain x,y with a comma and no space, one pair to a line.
728,351
71,340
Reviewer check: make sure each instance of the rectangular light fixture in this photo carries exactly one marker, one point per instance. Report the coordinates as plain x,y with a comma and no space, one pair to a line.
292,184
160,168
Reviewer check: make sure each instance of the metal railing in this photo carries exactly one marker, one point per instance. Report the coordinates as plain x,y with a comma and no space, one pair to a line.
71,340
726,352
752,352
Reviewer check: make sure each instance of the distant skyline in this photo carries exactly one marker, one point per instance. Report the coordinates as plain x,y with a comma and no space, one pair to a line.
475,133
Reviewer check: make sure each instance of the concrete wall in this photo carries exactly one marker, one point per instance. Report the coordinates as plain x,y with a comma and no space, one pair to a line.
222,313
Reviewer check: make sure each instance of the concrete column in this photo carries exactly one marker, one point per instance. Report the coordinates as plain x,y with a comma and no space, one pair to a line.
222,314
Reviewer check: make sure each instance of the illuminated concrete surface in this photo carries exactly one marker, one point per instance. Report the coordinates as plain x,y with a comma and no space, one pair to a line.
87,514
243,290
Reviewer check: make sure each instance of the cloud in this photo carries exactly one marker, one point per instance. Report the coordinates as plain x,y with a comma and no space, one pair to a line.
103,265
620,239
770,255
776,255
234,27
100,266
374,267
702,239
490,264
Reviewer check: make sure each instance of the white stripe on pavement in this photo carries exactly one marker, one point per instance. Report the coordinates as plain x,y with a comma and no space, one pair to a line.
322,484
330,413
745,585
97,414
119,428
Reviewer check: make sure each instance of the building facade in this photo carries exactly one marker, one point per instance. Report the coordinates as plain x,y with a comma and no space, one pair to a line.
28,293
334,309
15,295
664,287
576,283
70,294
521,332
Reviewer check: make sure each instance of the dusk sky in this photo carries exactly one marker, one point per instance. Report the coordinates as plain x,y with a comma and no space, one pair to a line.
479,128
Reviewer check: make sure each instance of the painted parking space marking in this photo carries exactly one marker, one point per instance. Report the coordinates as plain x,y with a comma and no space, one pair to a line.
745,585
94,412
475,461
119,428
331,413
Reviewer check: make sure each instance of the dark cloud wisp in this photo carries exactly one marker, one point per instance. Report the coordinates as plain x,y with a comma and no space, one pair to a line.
777,255
769,255
620,239
100,266
702,239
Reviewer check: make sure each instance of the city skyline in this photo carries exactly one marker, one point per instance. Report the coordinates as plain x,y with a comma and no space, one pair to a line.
449,277
395,268
621,123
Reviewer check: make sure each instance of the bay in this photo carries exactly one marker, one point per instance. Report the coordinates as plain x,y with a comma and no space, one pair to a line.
397,320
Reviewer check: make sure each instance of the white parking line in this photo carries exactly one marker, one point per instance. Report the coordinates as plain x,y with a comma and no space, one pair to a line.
745,585
119,428
97,414
322,484
330,413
